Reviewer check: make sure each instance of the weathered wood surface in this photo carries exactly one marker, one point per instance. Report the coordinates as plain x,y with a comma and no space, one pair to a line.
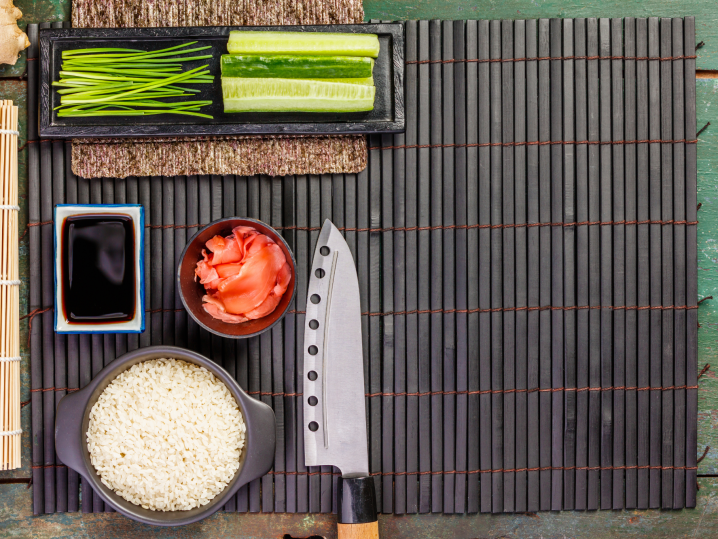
704,11
16,518
16,521
707,101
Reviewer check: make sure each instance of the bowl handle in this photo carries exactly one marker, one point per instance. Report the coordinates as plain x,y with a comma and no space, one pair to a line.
261,440
68,426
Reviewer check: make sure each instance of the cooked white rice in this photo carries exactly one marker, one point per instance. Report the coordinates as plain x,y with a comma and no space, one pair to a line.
166,435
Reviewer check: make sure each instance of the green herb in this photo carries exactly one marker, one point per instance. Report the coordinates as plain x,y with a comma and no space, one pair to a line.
128,82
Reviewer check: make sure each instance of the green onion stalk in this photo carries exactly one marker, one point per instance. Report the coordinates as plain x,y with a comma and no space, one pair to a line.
129,82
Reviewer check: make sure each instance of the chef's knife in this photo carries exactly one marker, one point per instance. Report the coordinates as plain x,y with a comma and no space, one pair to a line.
335,431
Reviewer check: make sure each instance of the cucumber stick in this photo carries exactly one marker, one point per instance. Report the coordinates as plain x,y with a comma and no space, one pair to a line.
369,81
294,95
305,43
296,67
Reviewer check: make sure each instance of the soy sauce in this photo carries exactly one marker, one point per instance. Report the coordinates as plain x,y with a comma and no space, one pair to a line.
98,268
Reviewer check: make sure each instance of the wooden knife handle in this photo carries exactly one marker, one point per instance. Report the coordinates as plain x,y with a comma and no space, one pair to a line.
357,509
368,530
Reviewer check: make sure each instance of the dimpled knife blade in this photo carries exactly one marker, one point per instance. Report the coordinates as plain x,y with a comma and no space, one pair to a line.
335,431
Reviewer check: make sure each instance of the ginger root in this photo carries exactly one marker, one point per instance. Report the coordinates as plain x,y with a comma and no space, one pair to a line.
12,39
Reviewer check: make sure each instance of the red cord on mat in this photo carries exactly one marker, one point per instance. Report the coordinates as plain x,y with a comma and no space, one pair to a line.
533,143
553,58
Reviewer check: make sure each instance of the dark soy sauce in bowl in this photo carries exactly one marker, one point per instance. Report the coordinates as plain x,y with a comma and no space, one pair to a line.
98,268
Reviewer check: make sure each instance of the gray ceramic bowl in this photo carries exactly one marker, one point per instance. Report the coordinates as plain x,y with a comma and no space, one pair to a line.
72,421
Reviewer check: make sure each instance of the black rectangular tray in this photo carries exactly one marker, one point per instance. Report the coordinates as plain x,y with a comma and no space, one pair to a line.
387,116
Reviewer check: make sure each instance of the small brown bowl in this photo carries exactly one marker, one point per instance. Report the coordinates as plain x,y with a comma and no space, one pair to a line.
191,291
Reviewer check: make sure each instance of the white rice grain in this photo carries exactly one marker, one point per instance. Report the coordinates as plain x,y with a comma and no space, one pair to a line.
166,435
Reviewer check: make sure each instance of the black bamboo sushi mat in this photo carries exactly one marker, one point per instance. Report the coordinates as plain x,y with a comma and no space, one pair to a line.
526,255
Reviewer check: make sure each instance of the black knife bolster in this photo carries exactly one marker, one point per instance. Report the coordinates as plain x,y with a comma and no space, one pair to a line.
356,500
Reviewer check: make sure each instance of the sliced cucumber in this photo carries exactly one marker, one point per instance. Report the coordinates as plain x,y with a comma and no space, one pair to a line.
369,81
309,43
296,67
285,95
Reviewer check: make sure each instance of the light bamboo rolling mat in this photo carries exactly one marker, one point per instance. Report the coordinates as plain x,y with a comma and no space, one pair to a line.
10,431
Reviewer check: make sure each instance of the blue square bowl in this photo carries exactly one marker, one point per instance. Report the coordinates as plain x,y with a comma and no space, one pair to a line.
137,214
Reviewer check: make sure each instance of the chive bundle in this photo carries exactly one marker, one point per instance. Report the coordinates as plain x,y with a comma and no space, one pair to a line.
130,82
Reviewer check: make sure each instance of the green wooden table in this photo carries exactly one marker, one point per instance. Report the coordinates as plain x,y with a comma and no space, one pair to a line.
17,520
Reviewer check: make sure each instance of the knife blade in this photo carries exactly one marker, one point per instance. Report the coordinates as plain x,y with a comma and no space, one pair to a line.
335,432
